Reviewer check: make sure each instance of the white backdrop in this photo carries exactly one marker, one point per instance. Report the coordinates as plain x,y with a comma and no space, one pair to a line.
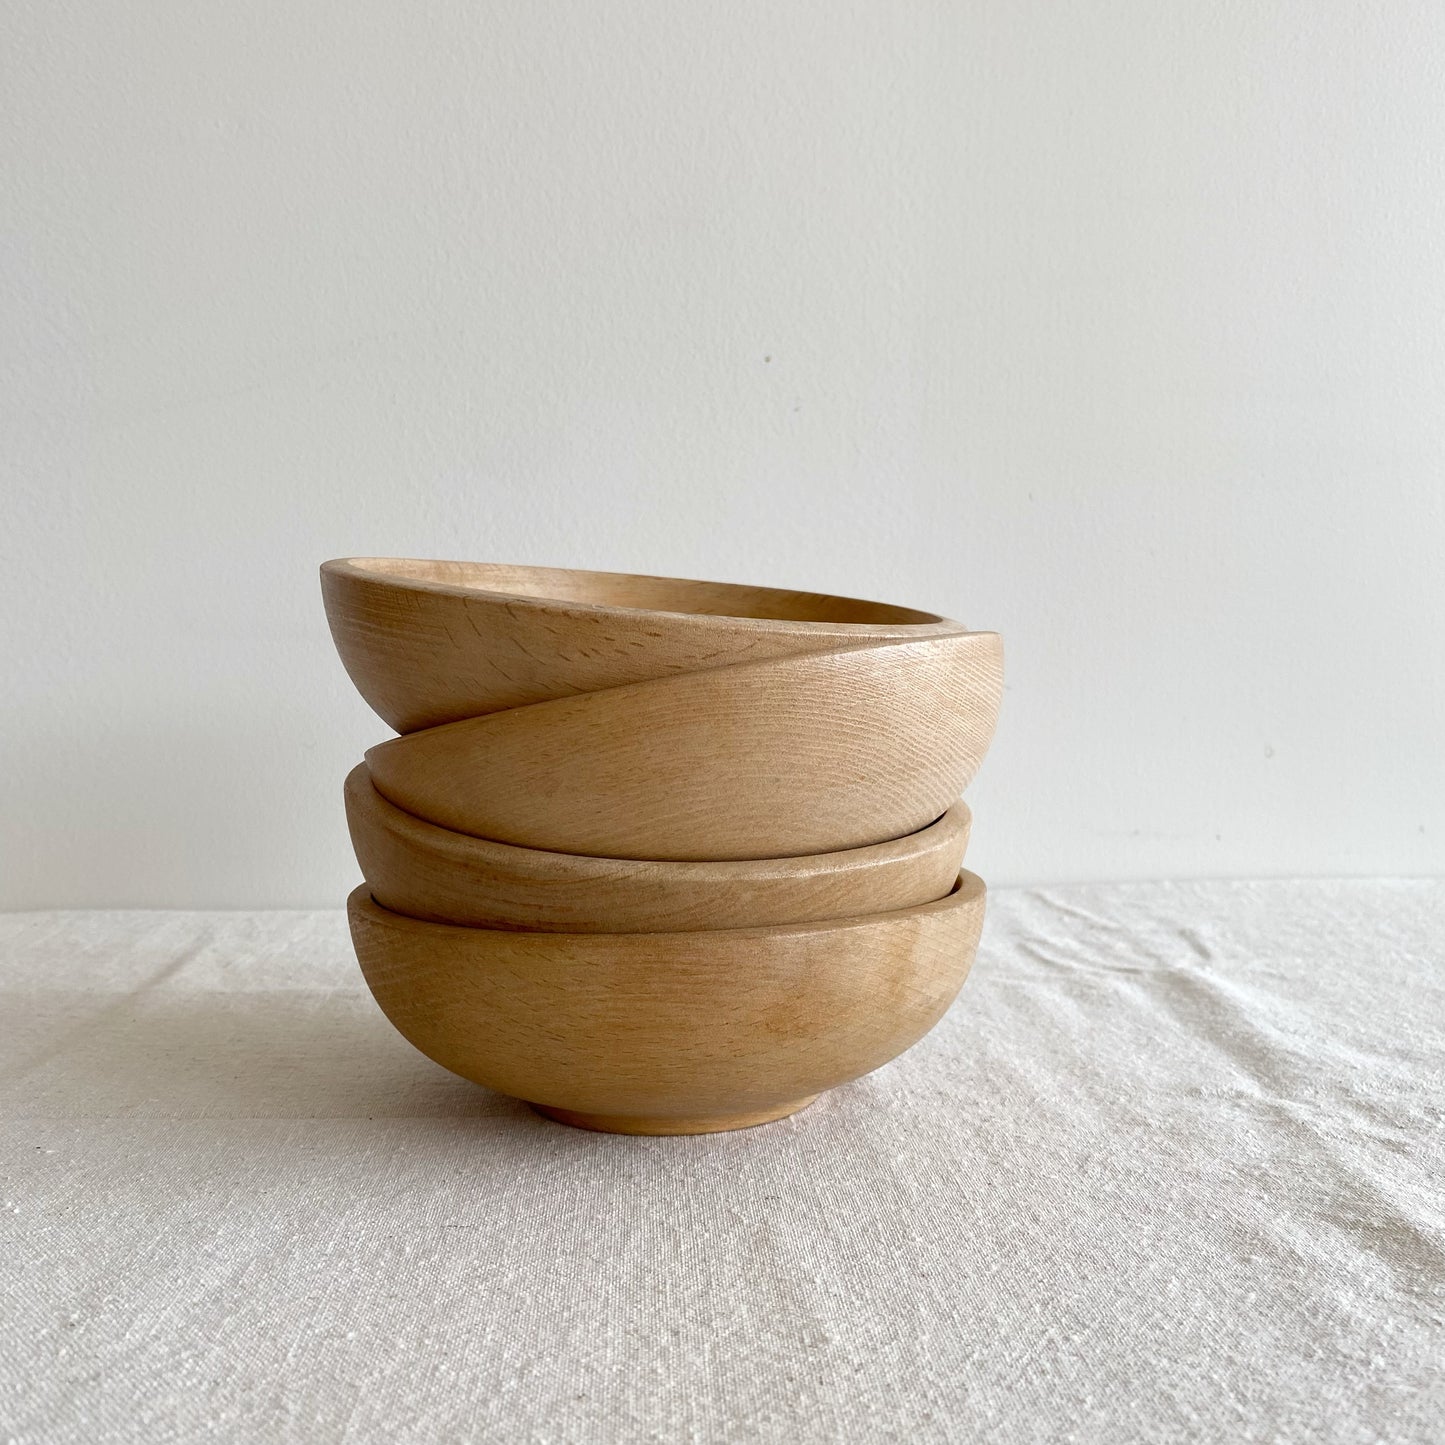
1118,328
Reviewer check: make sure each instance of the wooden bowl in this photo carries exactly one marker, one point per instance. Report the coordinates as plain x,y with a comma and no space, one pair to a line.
435,642
813,753
669,1033
415,868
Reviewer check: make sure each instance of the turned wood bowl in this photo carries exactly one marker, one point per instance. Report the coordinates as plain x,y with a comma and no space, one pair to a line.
417,869
669,1033
813,753
436,642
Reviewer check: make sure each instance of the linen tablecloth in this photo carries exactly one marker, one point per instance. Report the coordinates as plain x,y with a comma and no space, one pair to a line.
1170,1170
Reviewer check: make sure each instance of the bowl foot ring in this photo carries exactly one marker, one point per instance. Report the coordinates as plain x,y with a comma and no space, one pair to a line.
658,1124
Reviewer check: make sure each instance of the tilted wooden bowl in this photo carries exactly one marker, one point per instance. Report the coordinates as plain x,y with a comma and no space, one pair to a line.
415,868
813,753
436,642
669,1033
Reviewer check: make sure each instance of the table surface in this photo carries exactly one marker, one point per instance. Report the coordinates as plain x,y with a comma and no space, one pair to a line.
1170,1170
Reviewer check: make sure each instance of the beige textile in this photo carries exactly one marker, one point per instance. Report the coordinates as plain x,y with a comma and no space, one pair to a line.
1171,1170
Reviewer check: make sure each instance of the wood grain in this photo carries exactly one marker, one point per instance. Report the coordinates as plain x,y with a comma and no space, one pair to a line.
813,753
669,1032
415,868
435,642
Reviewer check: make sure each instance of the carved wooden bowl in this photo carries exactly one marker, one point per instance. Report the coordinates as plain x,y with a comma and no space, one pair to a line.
415,868
670,1033
435,642
808,754
659,856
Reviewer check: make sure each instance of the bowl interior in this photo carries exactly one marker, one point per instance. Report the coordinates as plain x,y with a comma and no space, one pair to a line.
626,590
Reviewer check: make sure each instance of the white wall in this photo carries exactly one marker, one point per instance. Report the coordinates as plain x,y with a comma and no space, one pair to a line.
1117,327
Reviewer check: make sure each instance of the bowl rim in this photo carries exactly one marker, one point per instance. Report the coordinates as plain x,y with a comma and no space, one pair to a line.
918,623
957,819
968,888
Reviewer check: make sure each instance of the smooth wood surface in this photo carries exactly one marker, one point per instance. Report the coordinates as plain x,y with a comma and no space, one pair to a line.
414,867
805,754
435,642
708,1030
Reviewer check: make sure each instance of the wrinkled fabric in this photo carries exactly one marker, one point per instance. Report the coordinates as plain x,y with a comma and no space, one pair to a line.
1170,1170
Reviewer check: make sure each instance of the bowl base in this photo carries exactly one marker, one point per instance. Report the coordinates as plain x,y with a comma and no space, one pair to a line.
659,1124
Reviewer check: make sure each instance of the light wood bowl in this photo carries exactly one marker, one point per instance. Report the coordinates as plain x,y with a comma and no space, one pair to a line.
417,869
436,642
669,1033
813,753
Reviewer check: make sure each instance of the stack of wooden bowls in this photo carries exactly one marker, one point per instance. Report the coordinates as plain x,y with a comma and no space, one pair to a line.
658,856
